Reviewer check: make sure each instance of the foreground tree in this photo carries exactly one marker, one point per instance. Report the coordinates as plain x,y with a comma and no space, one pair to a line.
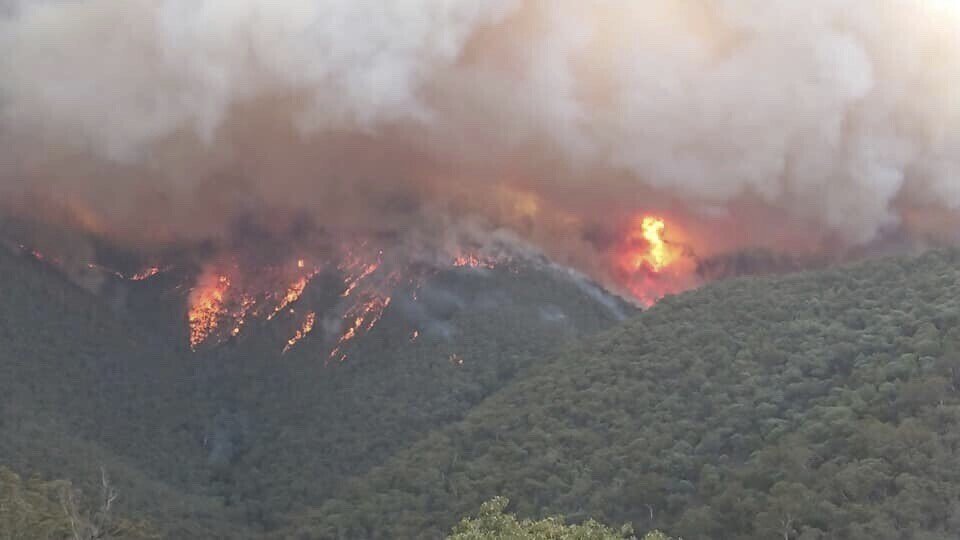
493,523
55,510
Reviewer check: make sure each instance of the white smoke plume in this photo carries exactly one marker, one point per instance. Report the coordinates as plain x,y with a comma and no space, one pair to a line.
749,122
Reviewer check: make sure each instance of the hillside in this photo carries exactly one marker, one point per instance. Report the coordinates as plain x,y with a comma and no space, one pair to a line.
82,387
228,441
818,405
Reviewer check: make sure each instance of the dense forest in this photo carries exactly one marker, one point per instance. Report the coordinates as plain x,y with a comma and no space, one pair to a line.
218,442
816,405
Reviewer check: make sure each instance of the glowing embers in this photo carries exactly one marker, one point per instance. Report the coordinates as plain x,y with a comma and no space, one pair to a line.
472,260
359,319
356,268
146,273
302,332
292,295
140,275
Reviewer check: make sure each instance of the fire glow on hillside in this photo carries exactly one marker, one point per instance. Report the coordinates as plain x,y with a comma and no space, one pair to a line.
625,140
229,292
226,296
647,264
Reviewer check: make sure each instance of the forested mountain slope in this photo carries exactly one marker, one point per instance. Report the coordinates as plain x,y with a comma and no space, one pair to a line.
817,405
307,425
80,388
227,441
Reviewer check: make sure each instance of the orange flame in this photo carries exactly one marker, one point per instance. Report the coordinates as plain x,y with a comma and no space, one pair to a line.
353,281
649,264
473,261
145,274
292,295
305,329
656,253
206,308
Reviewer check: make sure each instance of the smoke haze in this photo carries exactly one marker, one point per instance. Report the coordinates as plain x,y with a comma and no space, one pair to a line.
805,126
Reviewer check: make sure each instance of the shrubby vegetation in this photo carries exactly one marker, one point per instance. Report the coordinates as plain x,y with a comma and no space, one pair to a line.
493,523
56,510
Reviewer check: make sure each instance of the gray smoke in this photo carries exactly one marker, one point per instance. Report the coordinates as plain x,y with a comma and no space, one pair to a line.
753,122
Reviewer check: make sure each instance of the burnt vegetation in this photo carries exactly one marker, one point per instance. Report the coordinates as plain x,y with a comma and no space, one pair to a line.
814,405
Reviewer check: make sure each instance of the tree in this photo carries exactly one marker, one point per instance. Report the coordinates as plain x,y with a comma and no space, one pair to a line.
493,523
55,510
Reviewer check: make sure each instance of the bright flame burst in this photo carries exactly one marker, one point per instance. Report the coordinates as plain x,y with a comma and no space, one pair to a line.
646,261
654,252
207,307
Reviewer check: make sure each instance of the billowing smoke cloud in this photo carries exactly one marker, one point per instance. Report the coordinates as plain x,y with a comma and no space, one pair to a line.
746,122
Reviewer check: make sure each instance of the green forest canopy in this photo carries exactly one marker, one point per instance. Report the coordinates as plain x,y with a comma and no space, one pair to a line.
817,405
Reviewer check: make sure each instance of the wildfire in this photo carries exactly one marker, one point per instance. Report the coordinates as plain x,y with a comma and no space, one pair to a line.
207,308
647,262
227,295
145,274
247,303
473,261
655,252
361,318
292,295
305,329
353,280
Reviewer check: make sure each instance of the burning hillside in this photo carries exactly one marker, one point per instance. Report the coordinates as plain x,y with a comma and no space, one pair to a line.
231,288
639,143
226,297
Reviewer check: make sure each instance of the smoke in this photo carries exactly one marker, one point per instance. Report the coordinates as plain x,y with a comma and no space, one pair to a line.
804,126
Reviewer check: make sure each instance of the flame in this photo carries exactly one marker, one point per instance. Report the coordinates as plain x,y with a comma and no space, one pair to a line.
414,335
352,281
145,274
207,308
648,265
655,252
247,302
305,329
292,295
361,318
471,260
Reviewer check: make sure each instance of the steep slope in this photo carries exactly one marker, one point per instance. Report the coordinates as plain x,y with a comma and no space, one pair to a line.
225,441
302,424
79,389
823,404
